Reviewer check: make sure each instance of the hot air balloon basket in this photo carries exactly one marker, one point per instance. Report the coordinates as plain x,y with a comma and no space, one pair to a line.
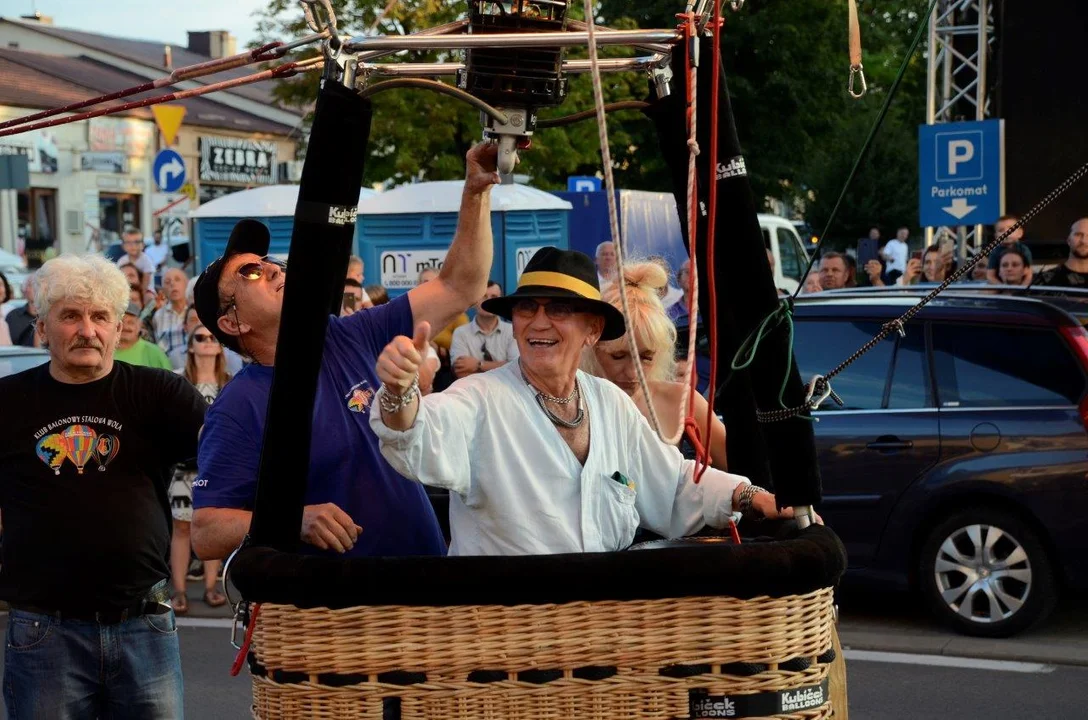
644,660
682,655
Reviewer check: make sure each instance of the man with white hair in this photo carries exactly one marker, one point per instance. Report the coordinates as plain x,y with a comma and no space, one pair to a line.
85,460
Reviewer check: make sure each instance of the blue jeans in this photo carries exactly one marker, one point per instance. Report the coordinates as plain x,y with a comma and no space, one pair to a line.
61,669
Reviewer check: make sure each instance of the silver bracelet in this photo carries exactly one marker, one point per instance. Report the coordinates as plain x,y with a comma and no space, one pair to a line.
393,403
744,502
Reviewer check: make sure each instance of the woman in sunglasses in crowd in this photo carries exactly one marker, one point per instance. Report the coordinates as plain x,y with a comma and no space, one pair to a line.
540,457
206,368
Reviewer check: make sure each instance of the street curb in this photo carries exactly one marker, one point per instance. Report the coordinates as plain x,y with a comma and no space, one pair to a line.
1019,650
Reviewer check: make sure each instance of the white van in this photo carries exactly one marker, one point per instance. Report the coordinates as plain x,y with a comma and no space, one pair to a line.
790,256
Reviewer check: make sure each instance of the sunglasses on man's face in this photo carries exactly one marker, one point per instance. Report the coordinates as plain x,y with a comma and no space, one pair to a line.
255,270
555,309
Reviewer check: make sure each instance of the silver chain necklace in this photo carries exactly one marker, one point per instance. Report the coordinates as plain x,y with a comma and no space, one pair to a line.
542,396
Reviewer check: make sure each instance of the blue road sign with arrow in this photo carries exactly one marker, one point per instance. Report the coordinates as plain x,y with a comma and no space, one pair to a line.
960,176
169,171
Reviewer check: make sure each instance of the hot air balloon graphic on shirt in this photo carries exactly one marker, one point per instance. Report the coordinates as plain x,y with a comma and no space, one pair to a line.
106,448
81,442
53,450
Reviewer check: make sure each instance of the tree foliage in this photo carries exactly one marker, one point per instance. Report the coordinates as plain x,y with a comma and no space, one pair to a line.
786,63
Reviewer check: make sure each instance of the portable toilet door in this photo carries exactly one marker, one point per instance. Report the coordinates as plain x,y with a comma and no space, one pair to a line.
406,230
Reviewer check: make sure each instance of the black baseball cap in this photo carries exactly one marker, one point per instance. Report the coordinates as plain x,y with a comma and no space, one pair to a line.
248,236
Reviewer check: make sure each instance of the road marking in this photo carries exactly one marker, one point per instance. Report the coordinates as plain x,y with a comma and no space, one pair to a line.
204,622
948,661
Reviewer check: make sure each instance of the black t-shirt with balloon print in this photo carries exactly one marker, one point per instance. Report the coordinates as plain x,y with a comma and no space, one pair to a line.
84,472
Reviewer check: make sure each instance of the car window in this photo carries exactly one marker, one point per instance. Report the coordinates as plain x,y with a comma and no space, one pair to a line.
820,345
789,261
766,238
990,366
910,377
11,364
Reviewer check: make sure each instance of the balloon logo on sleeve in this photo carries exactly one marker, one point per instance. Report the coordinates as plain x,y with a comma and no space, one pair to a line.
81,443
53,451
106,449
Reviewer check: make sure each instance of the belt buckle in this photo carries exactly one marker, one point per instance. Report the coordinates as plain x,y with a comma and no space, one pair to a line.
111,618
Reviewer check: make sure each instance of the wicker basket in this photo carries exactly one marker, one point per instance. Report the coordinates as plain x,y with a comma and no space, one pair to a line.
635,659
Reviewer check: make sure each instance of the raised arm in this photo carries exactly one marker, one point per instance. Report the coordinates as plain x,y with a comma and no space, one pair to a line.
463,277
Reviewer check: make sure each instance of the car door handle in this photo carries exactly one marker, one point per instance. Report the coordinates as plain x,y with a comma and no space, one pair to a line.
886,443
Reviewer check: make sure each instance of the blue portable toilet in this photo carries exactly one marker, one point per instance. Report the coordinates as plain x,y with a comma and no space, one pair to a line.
403,231
274,205
649,227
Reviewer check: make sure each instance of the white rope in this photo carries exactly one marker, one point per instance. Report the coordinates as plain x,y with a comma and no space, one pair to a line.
613,220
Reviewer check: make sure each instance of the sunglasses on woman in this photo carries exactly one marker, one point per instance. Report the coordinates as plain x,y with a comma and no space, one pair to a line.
204,338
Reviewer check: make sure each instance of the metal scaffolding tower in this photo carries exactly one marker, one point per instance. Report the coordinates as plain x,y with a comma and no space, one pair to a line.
961,39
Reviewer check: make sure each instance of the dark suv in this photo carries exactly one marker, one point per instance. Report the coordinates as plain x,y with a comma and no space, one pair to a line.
958,464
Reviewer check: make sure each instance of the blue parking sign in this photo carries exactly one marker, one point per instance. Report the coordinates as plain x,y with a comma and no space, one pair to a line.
960,176
583,183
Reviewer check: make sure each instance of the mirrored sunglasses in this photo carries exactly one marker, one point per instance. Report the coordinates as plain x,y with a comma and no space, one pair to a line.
255,270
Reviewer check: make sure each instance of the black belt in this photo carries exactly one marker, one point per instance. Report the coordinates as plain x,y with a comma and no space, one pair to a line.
103,617
151,604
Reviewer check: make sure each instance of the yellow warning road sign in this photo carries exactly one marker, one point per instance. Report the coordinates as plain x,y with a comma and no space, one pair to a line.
168,118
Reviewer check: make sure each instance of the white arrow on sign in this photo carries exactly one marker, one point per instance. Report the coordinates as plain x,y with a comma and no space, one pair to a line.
170,170
959,208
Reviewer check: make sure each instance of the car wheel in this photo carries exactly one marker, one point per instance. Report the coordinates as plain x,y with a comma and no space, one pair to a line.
986,573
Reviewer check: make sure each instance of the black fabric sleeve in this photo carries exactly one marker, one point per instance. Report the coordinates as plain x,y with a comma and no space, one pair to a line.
181,405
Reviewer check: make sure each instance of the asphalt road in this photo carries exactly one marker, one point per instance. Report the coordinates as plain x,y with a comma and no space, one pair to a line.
882,686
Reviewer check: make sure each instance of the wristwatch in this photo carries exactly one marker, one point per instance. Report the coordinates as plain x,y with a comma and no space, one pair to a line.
479,366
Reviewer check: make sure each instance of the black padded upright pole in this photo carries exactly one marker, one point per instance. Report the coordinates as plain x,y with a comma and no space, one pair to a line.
746,295
753,296
321,242
735,401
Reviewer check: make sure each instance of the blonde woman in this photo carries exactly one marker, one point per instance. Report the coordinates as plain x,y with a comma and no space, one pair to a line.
655,335
206,368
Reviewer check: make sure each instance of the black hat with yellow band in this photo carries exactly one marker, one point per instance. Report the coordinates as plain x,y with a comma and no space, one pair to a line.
561,274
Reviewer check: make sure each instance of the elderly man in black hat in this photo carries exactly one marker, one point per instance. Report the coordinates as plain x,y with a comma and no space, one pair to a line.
538,456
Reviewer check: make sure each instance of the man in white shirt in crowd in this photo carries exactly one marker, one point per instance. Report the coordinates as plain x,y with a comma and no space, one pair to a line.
486,342
132,240
606,263
895,253
157,251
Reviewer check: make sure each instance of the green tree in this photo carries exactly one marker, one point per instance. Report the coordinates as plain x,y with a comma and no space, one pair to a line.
786,63
418,134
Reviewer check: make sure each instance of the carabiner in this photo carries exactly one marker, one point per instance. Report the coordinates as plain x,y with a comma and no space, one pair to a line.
308,7
857,71
818,384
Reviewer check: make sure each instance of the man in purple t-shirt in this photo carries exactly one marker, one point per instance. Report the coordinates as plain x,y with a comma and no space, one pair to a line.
356,504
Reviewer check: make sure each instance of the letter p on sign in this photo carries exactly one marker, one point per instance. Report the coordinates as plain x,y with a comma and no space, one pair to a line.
959,156
959,152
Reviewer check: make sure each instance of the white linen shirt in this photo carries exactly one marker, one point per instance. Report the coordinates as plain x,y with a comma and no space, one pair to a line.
516,487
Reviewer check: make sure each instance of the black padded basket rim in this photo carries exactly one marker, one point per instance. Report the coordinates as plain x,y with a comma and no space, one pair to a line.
797,562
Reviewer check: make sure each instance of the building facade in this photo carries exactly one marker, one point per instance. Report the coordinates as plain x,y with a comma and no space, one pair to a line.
91,179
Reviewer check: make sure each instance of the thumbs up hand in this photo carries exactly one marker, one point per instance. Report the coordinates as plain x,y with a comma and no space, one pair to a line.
399,363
